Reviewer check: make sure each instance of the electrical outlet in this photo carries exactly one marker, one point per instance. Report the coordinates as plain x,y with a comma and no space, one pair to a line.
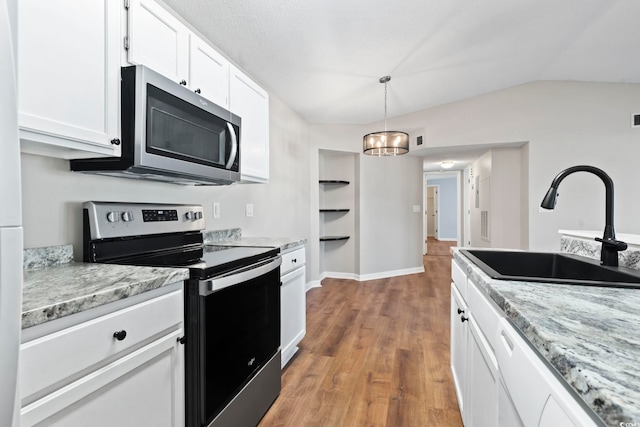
216,210
249,209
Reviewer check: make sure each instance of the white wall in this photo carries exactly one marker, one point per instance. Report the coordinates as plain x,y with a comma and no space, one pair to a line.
389,232
566,124
52,195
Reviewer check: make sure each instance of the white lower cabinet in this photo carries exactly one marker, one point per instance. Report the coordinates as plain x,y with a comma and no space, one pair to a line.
499,379
482,380
459,333
293,303
124,368
473,362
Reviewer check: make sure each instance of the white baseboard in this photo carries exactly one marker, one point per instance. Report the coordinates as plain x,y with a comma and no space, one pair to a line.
393,273
447,239
313,284
372,276
338,275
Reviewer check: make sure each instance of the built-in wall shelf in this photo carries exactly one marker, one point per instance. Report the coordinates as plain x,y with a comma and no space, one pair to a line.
334,210
338,235
333,238
333,181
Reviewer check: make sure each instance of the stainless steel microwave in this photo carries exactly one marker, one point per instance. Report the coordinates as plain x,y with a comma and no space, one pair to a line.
171,134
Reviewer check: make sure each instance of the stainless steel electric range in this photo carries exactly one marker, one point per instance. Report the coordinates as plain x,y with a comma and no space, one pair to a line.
232,304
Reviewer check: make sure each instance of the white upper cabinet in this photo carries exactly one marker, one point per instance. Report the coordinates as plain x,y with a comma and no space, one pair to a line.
208,72
158,40
69,77
251,103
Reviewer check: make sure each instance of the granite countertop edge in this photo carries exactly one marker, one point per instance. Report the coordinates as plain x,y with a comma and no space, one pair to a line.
54,286
54,292
285,244
608,389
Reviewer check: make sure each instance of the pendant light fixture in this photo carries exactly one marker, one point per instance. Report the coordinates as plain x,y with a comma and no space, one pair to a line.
387,142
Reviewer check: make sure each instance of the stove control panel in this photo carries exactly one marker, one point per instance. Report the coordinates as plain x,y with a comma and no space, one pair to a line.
110,219
151,215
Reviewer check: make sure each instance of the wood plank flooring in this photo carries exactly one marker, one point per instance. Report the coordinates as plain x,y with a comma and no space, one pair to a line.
376,353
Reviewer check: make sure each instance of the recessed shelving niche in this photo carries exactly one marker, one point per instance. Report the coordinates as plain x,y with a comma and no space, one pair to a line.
337,212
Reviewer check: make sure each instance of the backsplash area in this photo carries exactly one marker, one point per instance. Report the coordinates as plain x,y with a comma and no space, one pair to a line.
590,248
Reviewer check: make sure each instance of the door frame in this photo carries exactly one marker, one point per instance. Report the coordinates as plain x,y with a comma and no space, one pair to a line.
436,203
459,198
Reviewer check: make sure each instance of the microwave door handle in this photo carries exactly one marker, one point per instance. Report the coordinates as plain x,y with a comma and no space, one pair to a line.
234,146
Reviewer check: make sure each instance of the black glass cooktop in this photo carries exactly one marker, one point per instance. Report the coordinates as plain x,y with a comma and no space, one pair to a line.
217,260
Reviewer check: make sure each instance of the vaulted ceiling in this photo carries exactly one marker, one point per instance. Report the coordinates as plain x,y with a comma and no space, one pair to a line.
324,58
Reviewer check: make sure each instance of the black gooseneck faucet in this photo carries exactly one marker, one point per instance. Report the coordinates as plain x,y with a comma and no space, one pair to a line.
610,246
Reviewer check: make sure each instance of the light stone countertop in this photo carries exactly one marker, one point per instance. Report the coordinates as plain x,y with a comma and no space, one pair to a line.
222,238
590,335
56,289
54,286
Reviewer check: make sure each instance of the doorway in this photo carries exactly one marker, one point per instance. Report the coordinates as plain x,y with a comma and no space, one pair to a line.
432,211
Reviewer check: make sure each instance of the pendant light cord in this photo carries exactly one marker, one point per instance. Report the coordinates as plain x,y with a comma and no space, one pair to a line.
385,106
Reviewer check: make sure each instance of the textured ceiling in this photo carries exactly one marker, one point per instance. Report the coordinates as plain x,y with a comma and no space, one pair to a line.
323,58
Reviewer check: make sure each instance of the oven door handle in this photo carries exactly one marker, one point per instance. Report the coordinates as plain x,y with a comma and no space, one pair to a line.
210,286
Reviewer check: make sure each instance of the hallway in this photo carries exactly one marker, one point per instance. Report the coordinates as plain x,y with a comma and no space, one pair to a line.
376,353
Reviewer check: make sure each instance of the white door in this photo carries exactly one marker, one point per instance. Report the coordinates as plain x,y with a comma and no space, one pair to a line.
208,72
69,76
251,103
143,388
10,217
158,40
432,211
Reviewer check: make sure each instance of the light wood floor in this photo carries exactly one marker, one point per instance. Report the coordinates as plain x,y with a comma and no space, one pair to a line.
376,353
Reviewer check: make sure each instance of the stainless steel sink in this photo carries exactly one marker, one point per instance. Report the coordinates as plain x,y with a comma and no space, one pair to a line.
552,268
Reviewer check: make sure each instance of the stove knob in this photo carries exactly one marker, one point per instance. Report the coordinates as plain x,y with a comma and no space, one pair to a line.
198,215
127,216
189,216
113,217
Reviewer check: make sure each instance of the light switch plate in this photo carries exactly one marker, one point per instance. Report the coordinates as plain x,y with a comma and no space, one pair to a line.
249,209
416,208
216,210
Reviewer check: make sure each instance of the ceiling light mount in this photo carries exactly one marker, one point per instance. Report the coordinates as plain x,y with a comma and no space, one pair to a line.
385,143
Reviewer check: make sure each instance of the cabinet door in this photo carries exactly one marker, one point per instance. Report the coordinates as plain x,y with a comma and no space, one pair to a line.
144,388
482,380
292,313
69,77
458,345
208,72
507,412
158,40
251,103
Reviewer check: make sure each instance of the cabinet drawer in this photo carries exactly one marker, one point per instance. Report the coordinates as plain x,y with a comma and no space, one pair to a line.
459,278
54,360
292,260
485,312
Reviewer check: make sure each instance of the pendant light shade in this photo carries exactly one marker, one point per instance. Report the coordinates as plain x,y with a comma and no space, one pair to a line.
387,142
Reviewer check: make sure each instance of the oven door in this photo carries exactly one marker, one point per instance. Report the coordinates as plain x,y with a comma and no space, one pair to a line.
239,333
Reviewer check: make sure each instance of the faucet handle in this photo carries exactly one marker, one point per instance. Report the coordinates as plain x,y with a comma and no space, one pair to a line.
613,244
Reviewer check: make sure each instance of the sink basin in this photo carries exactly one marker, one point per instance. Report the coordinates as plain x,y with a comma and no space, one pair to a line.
551,268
